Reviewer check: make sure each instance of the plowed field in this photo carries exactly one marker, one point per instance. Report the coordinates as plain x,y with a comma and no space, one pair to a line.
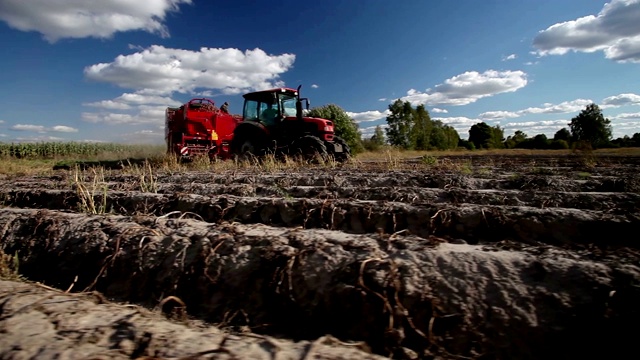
471,257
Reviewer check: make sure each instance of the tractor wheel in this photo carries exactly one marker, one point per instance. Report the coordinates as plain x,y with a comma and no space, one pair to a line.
346,151
310,148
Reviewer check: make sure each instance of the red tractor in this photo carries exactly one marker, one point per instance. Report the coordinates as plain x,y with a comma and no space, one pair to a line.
273,122
199,128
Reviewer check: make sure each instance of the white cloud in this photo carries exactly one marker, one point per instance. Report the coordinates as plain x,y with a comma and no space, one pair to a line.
622,100
615,30
439,111
509,57
28,127
3,135
563,107
457,120
1,121
38,138
314,86
126,100
382,99
63,128
42,129
161,71
536,124
156,73
368,116
57,19
143,114
368,131
626,116
496,115
529,63
468,88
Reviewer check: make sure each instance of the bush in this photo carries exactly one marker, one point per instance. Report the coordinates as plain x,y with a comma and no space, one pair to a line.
558,144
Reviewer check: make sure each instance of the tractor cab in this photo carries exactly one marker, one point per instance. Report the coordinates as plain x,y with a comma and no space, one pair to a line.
273,121
280,112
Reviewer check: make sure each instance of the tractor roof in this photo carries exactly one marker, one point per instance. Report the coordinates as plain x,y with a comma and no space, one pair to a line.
257,95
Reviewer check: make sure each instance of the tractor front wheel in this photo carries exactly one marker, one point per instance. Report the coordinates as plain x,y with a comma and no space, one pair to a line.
310,148
346,150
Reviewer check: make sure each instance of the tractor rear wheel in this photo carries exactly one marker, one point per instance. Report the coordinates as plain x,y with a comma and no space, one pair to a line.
310,148
247,147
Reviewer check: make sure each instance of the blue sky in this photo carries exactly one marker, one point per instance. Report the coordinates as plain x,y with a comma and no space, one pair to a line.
106,70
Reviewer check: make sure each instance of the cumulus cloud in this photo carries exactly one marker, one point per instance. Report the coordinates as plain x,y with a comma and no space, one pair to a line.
534,124
457,120
439,111
42,129
127,101
63,128
627,116
38,139
563,107
159,70
622,100
57,19
496,115
156,73
143,114
368,131
615,30
314,86
367,116
468,88
28,127
509,57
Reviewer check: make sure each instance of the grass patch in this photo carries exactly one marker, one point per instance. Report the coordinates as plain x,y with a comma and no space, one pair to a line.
9,266
91,190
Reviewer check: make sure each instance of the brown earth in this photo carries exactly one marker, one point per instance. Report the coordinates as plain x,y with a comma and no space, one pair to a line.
475,257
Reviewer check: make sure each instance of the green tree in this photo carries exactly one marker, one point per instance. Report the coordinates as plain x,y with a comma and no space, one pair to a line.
513,141
480,134
443,136
344,126
400,122
591,127
378,136
375,142
421,129
540,141
484,136
562,134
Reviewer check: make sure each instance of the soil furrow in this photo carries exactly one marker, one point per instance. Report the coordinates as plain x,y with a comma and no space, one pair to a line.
393,292
474,223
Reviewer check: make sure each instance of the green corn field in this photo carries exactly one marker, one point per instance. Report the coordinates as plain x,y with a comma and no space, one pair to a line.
51,150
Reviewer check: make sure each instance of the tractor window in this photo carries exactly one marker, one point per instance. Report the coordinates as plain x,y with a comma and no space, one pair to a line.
251,110
268,113
288,104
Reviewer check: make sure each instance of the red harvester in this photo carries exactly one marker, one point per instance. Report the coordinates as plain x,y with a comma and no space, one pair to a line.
199,128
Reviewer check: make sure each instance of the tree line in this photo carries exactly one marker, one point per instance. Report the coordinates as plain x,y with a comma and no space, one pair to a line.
411,128
589,129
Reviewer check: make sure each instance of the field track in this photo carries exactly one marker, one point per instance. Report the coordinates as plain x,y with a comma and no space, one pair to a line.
526,256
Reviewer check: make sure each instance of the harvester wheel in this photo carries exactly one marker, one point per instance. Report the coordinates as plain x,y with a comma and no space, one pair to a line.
346,150
310,148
